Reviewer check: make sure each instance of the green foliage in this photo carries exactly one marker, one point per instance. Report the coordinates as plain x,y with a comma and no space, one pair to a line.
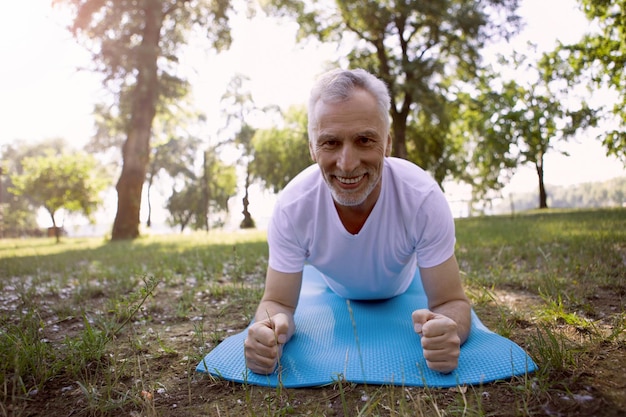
434,143
280,153
119,38
184,206
174,149
553,351
174,154
69,181
89,347
600,57
239,108
19,213
135,45
222,183
26,361
424,51
516,123
203,195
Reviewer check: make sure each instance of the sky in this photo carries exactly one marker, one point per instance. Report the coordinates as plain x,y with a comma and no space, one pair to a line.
44,94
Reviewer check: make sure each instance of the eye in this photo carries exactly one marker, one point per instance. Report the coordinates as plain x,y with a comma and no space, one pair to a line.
364,140
330,143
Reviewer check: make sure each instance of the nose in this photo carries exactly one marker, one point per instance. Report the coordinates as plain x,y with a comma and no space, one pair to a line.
348,159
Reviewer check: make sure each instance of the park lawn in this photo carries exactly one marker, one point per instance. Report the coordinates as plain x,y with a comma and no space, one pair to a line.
90,327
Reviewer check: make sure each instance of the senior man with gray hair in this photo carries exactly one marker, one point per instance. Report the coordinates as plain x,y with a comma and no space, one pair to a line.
366,221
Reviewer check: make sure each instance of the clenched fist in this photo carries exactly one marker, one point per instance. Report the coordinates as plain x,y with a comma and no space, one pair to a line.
440,340
264,344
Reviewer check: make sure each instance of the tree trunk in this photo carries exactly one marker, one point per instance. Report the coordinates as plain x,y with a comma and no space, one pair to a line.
399,116
543,196
149,221
206,192
398,128
136,150
247,222
57,232
399,111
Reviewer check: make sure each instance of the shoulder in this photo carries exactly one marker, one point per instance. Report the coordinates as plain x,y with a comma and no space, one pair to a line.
293,220
422,204
301,188
413,190
405,174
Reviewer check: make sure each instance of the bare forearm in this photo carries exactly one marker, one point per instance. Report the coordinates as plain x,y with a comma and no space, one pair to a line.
443,288
282,291
273,325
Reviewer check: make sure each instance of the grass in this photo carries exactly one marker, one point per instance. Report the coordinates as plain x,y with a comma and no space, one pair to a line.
93,328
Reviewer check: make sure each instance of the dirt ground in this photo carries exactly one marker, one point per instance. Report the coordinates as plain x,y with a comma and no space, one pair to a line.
157,378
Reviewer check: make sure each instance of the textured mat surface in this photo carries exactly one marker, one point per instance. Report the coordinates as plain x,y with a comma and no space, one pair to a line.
366,342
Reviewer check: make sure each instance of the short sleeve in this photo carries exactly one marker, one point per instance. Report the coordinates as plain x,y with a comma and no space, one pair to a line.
435,230
286,252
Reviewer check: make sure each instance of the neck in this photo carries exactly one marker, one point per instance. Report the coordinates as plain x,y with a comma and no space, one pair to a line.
354,217
352,220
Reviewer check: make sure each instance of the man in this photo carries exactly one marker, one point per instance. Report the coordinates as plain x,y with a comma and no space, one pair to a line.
365,221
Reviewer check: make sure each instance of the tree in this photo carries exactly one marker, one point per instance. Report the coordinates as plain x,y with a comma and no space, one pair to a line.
173,145
420,49
488,141
184,206
19,212
221,182
135,45
239,105
517,123
280,153
17,215
69,181
175,157
202,194
601,58
174,150
239,108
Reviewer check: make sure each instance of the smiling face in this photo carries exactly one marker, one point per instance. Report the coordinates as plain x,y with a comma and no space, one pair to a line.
349,144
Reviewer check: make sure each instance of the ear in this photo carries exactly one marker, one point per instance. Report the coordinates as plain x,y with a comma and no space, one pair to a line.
388,147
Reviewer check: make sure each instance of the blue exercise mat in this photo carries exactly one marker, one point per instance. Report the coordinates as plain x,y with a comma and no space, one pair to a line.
369,342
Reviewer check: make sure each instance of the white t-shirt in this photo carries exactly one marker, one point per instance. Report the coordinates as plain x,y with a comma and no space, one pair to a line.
411,224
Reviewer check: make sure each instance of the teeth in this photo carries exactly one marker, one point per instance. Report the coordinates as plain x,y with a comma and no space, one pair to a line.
344,180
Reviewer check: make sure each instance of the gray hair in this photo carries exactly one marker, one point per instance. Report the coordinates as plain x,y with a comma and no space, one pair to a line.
337,85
